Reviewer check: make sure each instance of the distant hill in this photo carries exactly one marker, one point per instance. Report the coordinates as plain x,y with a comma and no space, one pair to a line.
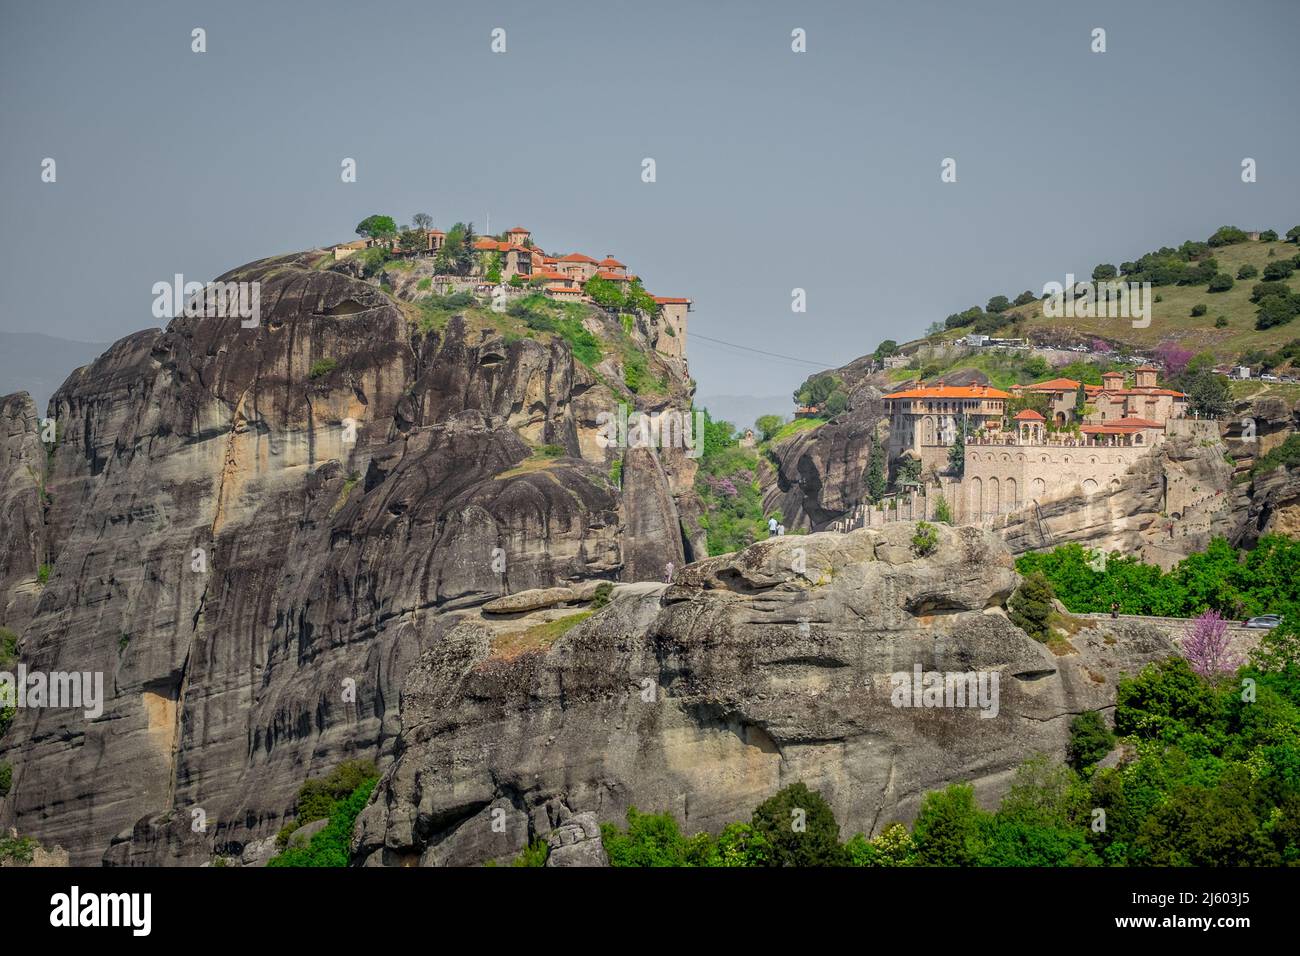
38,364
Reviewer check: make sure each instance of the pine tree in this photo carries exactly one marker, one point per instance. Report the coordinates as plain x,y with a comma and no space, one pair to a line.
957,453
876,475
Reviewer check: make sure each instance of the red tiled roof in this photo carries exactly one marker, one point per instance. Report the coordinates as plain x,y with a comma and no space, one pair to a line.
671,300
489,245
610,262
615,276
578,257
1054,385
950,391
1120,426
518,229
1029,415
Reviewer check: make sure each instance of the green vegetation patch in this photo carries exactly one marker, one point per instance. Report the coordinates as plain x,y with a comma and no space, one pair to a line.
536,638
338,797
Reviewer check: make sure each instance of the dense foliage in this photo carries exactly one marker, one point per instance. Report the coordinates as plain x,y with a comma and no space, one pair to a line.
728,485
1236,584
319,796
825,391
338,797
546,315
1212,778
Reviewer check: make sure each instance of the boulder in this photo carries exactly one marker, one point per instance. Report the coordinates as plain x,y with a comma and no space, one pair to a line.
530,600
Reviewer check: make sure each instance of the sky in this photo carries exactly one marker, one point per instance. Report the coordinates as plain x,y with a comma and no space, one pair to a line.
775,170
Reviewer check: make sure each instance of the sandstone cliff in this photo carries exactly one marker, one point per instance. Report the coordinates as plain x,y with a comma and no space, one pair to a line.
752,670
256,532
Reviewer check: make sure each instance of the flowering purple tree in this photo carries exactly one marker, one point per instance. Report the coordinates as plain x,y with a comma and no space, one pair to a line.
1173,357
1205,645
721,486
1101,345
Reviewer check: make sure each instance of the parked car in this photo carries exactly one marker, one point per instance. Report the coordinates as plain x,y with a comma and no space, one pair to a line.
1265,621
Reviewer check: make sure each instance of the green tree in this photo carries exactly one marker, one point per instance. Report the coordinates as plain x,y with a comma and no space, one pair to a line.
999,303
799,829
768,425
876,484
957,451
1227,235
1030,607
1279,270
331,846
377,227
604,293
817,389
1209,394
1164,701
1247,271
1090,739
411,241
947,828
654,839
1104,271
885,349
422,220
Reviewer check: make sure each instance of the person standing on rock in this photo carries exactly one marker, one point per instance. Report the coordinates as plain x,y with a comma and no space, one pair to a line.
1114,609
771,526
780,530
668,573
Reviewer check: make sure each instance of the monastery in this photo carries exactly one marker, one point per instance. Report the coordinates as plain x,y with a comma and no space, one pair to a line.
1090,436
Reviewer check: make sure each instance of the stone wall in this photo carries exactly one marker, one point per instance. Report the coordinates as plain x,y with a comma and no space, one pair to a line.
1000,479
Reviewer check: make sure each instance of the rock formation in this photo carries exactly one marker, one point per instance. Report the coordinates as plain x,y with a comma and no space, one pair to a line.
255,532
751,671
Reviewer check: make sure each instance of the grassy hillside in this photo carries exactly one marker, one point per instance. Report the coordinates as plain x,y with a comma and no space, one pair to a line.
1172,316
1227,327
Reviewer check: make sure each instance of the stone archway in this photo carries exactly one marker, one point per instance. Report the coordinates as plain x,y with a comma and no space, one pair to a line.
976,499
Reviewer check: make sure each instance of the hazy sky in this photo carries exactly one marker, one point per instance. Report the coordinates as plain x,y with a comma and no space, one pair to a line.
775,170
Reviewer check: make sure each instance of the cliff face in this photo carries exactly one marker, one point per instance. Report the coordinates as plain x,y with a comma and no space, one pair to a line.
256,532
22,503
752,670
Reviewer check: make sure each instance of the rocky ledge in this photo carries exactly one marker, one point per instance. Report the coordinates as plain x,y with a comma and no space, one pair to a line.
750,671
